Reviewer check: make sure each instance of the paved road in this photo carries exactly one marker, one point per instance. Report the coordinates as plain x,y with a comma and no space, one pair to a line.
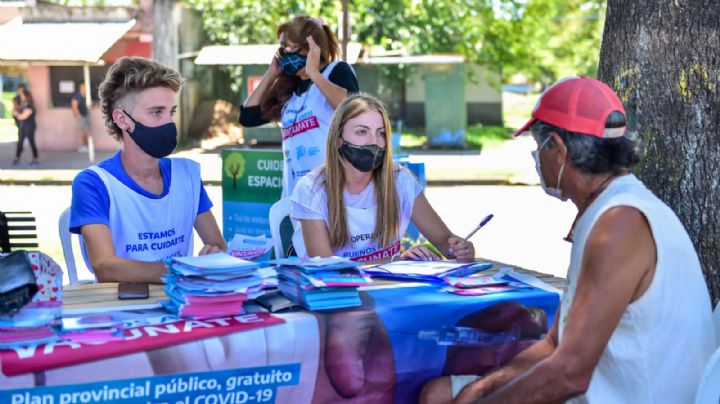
527,229
506,163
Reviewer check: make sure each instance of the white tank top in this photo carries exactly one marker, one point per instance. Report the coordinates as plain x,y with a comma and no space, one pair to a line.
305,121
659,348
148,229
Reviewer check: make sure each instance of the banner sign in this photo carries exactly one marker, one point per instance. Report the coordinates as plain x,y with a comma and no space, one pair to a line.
251,385
384,351
35,358
251,183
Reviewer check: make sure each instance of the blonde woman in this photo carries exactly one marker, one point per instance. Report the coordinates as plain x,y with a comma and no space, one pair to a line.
359,204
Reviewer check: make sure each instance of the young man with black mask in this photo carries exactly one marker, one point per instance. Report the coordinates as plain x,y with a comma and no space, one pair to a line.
139,207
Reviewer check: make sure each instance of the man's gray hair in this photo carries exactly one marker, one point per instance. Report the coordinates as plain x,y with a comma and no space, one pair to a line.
589,153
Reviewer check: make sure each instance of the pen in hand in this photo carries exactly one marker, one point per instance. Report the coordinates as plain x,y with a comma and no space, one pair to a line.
483,222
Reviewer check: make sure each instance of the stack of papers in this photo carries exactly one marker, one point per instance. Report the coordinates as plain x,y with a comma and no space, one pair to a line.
483,285
214,285
18,336
36,323
321,283
92,328
432,271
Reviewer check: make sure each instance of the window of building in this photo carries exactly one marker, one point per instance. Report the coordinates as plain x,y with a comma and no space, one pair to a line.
64,81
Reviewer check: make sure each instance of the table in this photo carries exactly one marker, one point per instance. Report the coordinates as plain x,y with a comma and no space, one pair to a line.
373,354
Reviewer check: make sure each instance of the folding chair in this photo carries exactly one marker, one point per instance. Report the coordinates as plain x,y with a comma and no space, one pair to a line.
66,241
281,228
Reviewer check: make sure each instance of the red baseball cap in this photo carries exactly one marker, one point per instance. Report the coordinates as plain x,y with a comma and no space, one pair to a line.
578,105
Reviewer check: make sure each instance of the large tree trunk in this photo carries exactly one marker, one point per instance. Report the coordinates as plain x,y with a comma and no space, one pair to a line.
663,59
165,33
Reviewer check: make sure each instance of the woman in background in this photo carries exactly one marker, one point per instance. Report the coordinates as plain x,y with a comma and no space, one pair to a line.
300,90
25,115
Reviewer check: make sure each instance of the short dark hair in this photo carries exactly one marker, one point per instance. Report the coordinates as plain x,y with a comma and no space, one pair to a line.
592,154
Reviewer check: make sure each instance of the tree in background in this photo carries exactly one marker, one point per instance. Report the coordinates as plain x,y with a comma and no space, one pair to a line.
542,39
663,59
558,38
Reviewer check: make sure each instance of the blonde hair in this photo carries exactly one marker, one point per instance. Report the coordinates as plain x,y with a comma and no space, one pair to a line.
128,76
387,213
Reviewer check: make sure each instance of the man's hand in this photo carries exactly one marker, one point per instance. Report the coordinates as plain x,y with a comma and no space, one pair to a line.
472,392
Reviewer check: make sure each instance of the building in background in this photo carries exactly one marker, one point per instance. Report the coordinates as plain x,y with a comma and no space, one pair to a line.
439,95
62,46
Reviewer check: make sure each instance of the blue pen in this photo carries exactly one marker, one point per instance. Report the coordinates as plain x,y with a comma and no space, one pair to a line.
483,222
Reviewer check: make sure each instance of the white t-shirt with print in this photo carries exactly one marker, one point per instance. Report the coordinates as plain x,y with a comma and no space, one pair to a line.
309,202
305,121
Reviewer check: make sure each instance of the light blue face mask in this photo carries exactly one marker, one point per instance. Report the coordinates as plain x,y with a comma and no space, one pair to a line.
555,192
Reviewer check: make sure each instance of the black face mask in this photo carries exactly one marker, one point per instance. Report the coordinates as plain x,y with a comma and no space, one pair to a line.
158,141
291,62
364,158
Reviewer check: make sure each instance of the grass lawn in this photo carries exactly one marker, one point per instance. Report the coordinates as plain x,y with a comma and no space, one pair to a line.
516,111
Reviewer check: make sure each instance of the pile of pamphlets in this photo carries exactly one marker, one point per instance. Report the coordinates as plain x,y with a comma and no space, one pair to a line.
321,283
214,285
36,323
429,271
89,328
250,248
483,285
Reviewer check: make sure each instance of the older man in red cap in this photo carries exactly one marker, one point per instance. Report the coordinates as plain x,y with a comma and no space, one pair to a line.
634,323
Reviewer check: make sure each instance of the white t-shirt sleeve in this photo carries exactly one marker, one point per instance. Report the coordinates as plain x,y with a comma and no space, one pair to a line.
308,201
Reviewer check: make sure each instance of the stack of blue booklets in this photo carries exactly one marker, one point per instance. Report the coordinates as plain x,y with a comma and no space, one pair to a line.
211,286
321,283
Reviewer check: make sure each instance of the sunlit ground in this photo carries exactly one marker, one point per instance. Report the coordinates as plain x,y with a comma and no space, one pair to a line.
8,131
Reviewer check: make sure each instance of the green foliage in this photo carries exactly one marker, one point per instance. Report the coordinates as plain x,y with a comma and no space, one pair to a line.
239,22
412,140
478,137
483,136
6,99
559,38
542,39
